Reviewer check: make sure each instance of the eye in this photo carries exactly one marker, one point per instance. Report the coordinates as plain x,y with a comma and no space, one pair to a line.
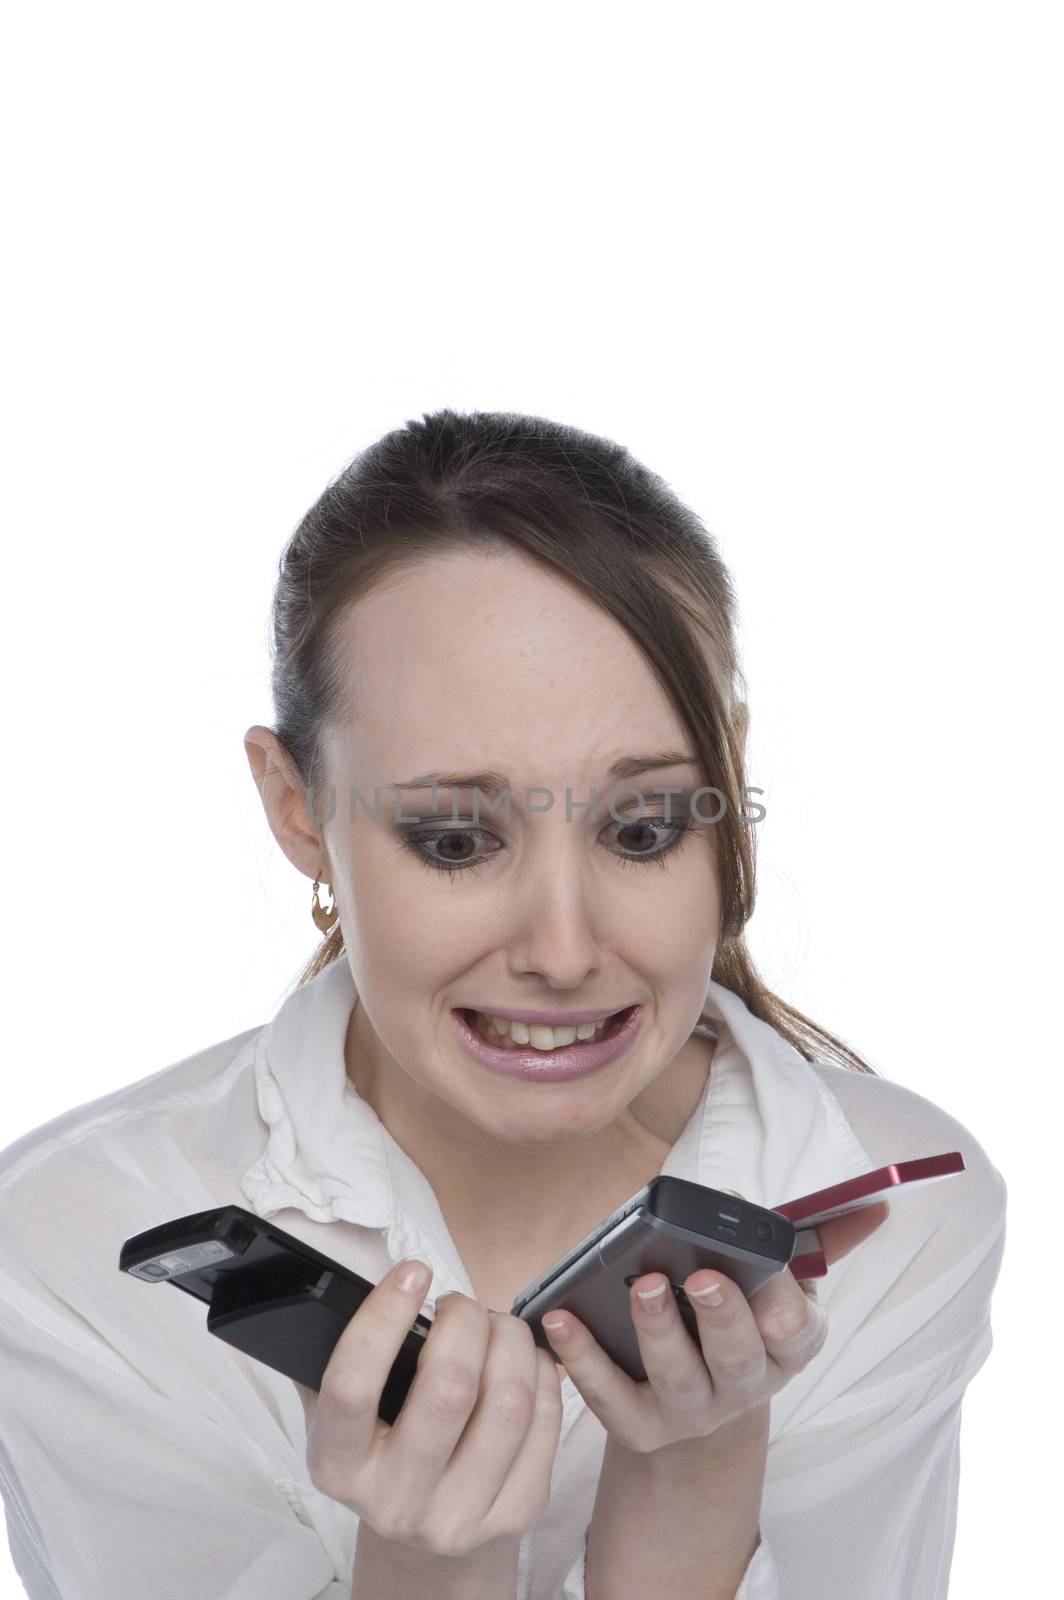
674,836
422,843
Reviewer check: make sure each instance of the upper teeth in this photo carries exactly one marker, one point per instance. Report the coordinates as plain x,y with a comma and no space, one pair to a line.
538,1037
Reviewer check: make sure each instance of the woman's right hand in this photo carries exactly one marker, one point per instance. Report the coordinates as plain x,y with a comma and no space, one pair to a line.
467,1463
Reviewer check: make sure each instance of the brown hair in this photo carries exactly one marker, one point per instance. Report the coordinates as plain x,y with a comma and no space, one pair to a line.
585,508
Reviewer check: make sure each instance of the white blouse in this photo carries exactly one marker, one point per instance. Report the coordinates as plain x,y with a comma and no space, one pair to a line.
141,1457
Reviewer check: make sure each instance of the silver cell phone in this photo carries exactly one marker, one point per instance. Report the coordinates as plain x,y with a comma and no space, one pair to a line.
672,1226
677,1227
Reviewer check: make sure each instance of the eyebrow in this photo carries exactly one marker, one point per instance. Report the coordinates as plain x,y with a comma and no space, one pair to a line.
494,783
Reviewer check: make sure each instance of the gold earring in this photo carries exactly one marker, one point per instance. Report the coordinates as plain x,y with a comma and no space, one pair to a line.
324,916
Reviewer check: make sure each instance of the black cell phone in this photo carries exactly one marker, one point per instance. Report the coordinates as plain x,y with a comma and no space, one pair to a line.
284,1303
672,1226
267,1293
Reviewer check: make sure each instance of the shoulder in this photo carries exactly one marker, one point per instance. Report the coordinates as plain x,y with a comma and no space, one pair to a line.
909,1310
943,1240
894,1123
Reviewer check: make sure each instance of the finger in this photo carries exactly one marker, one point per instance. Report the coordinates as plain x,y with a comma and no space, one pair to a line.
675,1365
504,1413
791,1324
611,1394
731,1343
345,1424
529,1475
441,1399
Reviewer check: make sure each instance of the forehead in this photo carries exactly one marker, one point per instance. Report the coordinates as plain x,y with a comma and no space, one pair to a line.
470,660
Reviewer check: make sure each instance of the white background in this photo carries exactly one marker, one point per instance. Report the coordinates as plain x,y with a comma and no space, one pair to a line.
805,261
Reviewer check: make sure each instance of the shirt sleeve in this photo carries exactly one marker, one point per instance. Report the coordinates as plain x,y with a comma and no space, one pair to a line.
760,1580
863,1473
114,1490
862,1477
573,1587
129,1463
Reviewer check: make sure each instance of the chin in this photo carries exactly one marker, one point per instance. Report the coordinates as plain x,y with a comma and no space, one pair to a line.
549,1127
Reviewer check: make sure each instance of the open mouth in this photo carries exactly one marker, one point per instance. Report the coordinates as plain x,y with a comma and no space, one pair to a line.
480,1025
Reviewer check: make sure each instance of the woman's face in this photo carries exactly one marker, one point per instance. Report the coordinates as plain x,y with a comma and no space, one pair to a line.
473,663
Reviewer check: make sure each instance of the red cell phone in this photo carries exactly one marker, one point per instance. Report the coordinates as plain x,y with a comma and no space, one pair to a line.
808,1260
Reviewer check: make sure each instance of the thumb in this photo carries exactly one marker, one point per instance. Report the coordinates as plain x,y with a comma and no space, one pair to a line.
840,1235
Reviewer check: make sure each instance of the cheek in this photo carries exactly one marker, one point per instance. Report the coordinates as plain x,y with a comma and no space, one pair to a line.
682,906
407,955
389,905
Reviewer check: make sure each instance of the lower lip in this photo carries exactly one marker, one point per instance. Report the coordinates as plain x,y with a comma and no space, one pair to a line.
573,1061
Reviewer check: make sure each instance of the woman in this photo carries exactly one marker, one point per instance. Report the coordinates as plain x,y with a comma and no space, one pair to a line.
510,736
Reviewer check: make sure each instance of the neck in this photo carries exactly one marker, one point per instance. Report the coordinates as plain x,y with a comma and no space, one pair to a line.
506,1181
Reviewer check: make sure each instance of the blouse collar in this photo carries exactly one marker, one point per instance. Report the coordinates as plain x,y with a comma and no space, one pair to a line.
765,1126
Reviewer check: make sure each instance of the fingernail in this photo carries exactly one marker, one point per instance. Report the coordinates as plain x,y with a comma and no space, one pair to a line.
560,1330
415,1275
653,1299
711,1295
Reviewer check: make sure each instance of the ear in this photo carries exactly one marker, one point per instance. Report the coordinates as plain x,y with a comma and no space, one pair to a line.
285,801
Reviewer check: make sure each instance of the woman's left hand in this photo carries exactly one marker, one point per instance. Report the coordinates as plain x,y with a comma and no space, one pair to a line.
747,1351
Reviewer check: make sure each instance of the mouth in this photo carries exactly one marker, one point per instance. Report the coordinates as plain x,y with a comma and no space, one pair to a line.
578,1059
478,1024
